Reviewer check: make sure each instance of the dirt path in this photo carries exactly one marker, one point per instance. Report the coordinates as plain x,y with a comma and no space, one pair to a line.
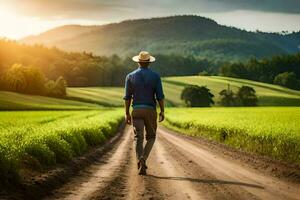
179,168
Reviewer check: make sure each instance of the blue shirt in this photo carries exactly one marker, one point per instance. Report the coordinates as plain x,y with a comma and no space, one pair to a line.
144,87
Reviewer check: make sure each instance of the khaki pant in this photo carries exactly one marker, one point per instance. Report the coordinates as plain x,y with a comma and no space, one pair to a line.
144,118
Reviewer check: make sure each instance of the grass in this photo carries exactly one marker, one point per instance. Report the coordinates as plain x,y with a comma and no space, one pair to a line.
107,96
271,131
16,101
268,94
95,97
40,139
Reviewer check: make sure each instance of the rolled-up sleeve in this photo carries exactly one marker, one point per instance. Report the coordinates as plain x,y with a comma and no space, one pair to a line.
159,90
128,89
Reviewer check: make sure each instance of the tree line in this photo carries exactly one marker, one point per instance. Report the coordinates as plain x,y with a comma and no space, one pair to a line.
282,70
30,80
52,66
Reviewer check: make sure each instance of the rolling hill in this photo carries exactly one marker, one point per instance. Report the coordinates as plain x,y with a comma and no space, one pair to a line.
82,98
16,101
268,94
184,35
107,96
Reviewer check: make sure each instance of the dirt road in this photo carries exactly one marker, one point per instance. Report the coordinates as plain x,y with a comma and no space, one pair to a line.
179,168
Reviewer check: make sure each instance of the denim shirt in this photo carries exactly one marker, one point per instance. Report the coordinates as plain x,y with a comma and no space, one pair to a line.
144,87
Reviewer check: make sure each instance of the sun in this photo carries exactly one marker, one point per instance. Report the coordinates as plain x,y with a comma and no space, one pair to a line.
15,26
9,23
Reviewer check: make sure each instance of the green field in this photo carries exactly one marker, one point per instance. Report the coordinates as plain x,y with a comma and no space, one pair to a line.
39,139
16,101
272,131
107,96
268,94
96,97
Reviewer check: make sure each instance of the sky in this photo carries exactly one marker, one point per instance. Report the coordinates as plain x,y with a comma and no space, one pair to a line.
20,18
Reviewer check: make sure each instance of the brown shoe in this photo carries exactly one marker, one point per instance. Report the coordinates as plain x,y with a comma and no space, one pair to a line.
142,167
143,170
139,163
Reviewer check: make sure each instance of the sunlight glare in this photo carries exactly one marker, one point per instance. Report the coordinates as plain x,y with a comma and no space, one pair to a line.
14,26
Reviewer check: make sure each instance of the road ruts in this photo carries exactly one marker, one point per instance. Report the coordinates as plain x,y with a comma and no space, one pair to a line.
179,168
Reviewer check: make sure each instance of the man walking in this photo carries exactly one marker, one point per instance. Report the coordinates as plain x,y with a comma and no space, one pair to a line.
143,87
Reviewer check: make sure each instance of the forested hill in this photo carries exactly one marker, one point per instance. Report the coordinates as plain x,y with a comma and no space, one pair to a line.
184,35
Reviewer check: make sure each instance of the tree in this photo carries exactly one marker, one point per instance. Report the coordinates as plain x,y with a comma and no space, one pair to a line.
287,79
228,97
196,96
246,96
280,69
14,79
204,73
28,80
61,86
35,81
57,88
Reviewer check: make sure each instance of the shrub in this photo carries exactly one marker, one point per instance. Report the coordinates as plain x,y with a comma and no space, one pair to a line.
246,96
196,96
287,79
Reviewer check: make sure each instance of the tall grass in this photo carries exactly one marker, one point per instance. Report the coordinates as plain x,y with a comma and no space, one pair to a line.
271,131
46,138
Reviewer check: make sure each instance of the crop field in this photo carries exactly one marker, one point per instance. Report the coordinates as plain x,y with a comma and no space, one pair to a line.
44,138
272,131
16,101
268,94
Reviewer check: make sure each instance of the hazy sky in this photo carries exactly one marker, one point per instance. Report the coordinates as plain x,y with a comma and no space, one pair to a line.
19,18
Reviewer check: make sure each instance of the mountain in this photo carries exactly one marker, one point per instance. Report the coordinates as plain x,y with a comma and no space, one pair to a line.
185,35
57,34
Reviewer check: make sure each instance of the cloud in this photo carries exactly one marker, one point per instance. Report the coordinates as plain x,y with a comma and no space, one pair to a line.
64,8
280,6
111,10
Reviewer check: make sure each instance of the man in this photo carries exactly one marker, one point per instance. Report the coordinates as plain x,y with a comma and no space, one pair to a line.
143,87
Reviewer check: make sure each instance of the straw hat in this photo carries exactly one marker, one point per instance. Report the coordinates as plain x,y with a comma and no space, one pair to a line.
143,56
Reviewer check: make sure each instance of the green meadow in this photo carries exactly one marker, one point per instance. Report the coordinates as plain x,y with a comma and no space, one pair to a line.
17,101
107,96
268,94
56,130
96,97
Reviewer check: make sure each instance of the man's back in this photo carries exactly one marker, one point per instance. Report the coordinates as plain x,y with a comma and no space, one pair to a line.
144,86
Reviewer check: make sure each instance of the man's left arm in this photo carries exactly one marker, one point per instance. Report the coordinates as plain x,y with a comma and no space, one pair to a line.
127,111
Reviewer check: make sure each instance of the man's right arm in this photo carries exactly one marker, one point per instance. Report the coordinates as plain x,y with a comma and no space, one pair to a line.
160,98
162,110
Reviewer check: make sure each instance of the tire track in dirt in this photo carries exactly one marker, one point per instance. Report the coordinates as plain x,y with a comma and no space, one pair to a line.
98,175
179,168
202,180
230,173
165,171
127,182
